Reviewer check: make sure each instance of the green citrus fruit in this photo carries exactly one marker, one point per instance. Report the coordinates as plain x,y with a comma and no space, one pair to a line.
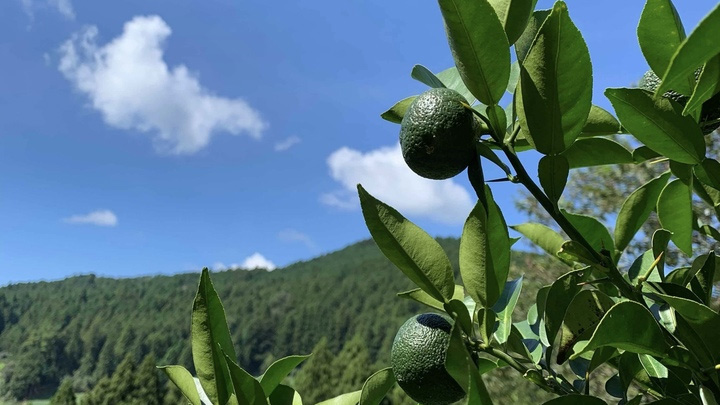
437,134
418,360
710,113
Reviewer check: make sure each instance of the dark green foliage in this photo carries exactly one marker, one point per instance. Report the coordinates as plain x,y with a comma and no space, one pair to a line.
316,379
65,394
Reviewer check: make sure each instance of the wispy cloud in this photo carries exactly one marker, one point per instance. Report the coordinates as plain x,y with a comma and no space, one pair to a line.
287,143
384,174
64,7
98,218
293,235
130,84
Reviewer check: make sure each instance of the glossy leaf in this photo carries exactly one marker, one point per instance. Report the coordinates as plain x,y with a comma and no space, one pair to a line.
660,240
708,172
514,16
708,85
652,367
630,369
582,315
284,395
425,76
184,381
575,399
636,209
660,33
601,356
523,44
408,247
674,208
479,46
559,297
396,113
600,122
452,80
555,84
376,386
699,47
641,266
702,319
351,398
504,308
542,236
644,337
702,283
425,298
553,173
589,152
247,389
210,338
643,154
657,124
278,370
485,252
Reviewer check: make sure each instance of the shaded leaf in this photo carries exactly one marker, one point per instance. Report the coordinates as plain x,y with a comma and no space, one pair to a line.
247,389
504,308
593,230
184,381
425,298
452,80
425,76
629,369
523,44
278,370
559,297
461,367
376,386
553,172
396,113
284,395
643,154
514,16
351,398
408,247
589,152
600,122
674,208
657,124
575,399
582,315
707,86
708,172
660,239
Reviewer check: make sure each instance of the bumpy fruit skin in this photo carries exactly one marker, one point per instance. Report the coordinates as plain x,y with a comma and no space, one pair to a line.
418,360
437,134
710,110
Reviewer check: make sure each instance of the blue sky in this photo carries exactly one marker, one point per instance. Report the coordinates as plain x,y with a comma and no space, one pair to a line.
148,137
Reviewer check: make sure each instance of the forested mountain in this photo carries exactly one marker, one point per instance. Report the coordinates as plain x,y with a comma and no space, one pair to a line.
343,306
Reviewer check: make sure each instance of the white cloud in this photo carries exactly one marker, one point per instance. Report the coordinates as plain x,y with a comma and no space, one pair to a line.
98,217
130,84
293,235
64,7
286,144
384,174
255,261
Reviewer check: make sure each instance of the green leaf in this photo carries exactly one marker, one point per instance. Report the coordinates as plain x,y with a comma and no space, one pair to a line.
660,240
485,252
396,113
484,150
184,381
376,386
504,308
636,209
708,172
486,320
702,283
640,267
644,337
657,123
408,247
707,397
452,80
601,356
660,33
582,315
572,251
514,15
512,83
247,389
600,122
559,297
575,399
459,312
278,371
351,398
694,51
479,46
553,172
210,334
643,154
542,236
630,369
589,152
523,44
593,230
461,367
652,367
707,86
424,75
425,298
674,208
284,395
555,84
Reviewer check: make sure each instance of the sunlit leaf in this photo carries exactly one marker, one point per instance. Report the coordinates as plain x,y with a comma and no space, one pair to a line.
636,209
674,208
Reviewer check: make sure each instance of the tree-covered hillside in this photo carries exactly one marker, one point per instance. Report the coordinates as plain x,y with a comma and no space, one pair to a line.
343,304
